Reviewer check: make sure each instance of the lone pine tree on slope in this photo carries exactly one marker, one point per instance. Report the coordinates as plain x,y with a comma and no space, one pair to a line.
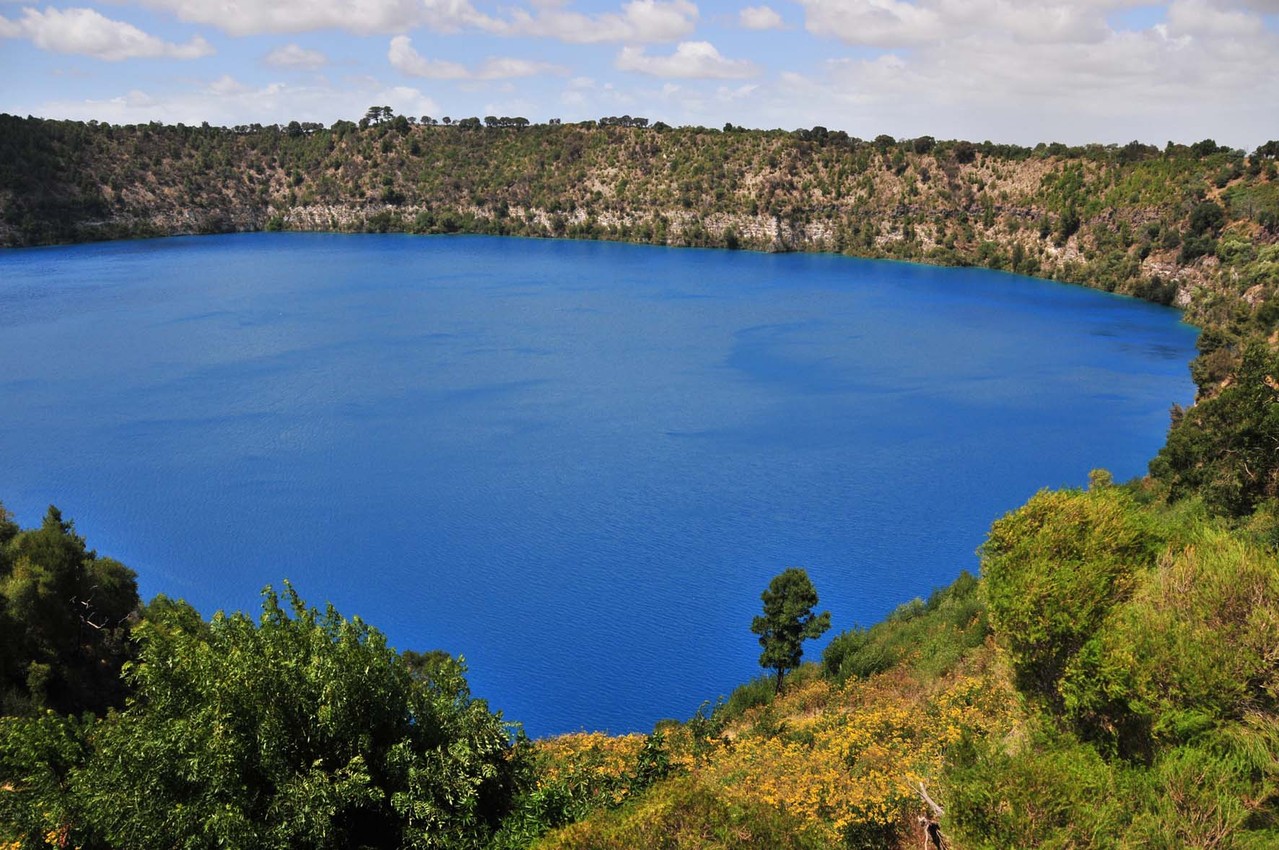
788,621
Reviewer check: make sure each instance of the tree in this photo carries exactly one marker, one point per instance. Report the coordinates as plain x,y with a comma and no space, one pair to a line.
1225,449
64,620
1207,218
924,144
1207,147
303,730
788,621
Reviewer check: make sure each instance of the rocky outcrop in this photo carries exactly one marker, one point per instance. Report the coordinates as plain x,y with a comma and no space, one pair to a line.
1115,219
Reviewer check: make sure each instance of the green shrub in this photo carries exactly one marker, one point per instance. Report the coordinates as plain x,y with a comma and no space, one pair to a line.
756,692
1192,649
854,654
1054,569
1194,247
932,636
303,730
1226,448
1199,798
37,757
1051,792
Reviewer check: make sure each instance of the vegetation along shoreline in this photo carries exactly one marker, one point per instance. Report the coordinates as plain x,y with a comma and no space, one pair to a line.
1111,680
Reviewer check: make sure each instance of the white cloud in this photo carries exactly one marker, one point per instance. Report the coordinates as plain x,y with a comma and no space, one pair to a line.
1052,23
405,59
295,56
1008,70
1197,18
638,22
1044,73
880,23
742,92
227,85
586,98
903,23
87,33
363,17
759,18
692,59
227,102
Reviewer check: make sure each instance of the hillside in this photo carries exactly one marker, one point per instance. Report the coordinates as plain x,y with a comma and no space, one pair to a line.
1195,226
1110,681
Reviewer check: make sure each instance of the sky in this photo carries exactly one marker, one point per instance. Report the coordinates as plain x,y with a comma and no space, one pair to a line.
1016,71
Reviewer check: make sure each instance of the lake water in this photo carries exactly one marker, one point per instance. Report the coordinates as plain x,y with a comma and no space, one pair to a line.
577,464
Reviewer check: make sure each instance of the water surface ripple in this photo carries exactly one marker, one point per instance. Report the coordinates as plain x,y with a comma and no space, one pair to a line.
577,464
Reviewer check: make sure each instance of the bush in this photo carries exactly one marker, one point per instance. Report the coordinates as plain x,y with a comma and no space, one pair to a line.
932,636
1224,448
301,731
1192,649
1194,247
37,757
1052,792
758,691
1199,799
65,618
1053,571
854,654
1207,218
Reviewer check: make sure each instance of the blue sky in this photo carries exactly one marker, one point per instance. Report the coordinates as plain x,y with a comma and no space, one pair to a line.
1007,70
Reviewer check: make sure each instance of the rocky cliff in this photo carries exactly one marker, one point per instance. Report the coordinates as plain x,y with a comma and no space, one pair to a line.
1193,226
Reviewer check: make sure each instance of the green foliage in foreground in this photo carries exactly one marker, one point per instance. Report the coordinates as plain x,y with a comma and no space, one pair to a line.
301,730
1142,637
570,788
1051,790
1054,569
1146,641
65,615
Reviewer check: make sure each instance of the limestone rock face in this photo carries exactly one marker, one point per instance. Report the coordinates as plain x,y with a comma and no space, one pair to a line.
1093,216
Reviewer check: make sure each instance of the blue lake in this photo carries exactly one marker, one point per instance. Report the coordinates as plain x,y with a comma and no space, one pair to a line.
577,464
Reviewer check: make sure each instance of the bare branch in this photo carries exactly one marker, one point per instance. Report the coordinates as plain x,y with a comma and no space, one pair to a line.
938,811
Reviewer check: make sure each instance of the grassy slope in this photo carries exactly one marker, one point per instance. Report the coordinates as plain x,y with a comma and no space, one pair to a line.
1160,727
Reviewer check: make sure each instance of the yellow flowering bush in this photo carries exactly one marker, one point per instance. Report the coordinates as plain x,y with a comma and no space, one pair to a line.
840,759
587,765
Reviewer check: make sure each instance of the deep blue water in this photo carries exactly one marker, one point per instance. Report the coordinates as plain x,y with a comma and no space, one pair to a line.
575,463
